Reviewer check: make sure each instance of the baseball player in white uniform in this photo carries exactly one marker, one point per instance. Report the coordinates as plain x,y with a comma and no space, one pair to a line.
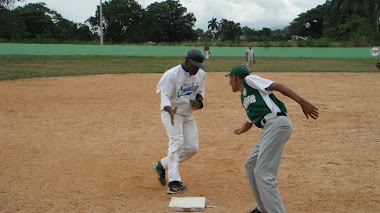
182,91
250,56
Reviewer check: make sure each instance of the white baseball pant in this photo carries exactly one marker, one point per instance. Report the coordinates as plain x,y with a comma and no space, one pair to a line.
207,54
183,142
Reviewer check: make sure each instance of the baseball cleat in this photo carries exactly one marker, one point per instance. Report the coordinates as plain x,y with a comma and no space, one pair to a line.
175,187
160,172
256,210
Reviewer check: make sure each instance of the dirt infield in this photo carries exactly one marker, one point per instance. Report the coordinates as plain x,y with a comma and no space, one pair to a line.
86,144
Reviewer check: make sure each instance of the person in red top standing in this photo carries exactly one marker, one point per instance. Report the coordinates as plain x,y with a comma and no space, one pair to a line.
207,51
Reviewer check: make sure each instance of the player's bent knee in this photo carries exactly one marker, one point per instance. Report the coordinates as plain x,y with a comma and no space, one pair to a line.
264,177
194,149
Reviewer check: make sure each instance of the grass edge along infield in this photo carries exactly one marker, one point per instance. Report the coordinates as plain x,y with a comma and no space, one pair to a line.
30,66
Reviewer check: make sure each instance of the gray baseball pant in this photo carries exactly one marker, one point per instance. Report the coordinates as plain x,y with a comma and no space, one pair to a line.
249,64
263,163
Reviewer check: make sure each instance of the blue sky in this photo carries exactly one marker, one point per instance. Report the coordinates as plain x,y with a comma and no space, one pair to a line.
255,14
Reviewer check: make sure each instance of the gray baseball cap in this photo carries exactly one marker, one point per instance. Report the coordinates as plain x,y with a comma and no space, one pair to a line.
196,58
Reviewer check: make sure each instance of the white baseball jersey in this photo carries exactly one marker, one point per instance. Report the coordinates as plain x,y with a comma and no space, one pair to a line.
177,88
250,53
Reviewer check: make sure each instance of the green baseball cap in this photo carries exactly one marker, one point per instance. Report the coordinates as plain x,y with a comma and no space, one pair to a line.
239,71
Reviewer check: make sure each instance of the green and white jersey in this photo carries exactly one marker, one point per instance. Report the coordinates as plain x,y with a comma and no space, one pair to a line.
257,101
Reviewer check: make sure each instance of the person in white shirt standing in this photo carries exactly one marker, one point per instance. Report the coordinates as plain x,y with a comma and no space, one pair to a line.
182,91
250,56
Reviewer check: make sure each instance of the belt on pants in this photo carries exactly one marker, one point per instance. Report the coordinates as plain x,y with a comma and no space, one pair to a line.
263,121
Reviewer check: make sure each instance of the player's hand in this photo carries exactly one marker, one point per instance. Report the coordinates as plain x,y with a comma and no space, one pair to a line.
245,127
195,104
172,115
309,110
237,132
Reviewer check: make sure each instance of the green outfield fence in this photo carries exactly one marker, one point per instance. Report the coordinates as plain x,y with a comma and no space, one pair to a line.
126,50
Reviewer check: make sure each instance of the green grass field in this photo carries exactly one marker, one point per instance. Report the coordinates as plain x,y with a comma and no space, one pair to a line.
17,67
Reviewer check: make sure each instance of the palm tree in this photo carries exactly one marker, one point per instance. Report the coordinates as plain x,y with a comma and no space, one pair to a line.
213,25
9,4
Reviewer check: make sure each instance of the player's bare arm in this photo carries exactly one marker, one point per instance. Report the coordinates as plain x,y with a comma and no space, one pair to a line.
172,112
246,126
307,108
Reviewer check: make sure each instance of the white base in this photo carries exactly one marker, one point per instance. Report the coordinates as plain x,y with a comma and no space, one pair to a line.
187,204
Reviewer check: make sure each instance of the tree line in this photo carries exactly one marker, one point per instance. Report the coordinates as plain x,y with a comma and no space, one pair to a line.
126,21
36,22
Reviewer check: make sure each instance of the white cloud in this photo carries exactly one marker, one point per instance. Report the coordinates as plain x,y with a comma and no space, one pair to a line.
252,13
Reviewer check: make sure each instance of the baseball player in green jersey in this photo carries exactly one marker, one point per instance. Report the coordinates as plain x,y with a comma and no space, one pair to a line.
265,111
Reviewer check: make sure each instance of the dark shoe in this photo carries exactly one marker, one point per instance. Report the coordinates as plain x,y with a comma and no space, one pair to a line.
256,210
160,172
175,187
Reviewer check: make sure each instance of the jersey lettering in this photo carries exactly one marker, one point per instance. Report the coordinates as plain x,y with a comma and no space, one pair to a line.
187,89
249,100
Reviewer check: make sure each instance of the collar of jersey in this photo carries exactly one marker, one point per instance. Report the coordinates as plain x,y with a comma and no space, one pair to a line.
183,67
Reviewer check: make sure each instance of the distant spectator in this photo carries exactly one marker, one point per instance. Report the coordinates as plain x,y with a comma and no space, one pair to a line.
207,51
250,56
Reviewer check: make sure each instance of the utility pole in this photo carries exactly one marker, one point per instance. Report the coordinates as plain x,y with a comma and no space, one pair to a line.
101,23
377,17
